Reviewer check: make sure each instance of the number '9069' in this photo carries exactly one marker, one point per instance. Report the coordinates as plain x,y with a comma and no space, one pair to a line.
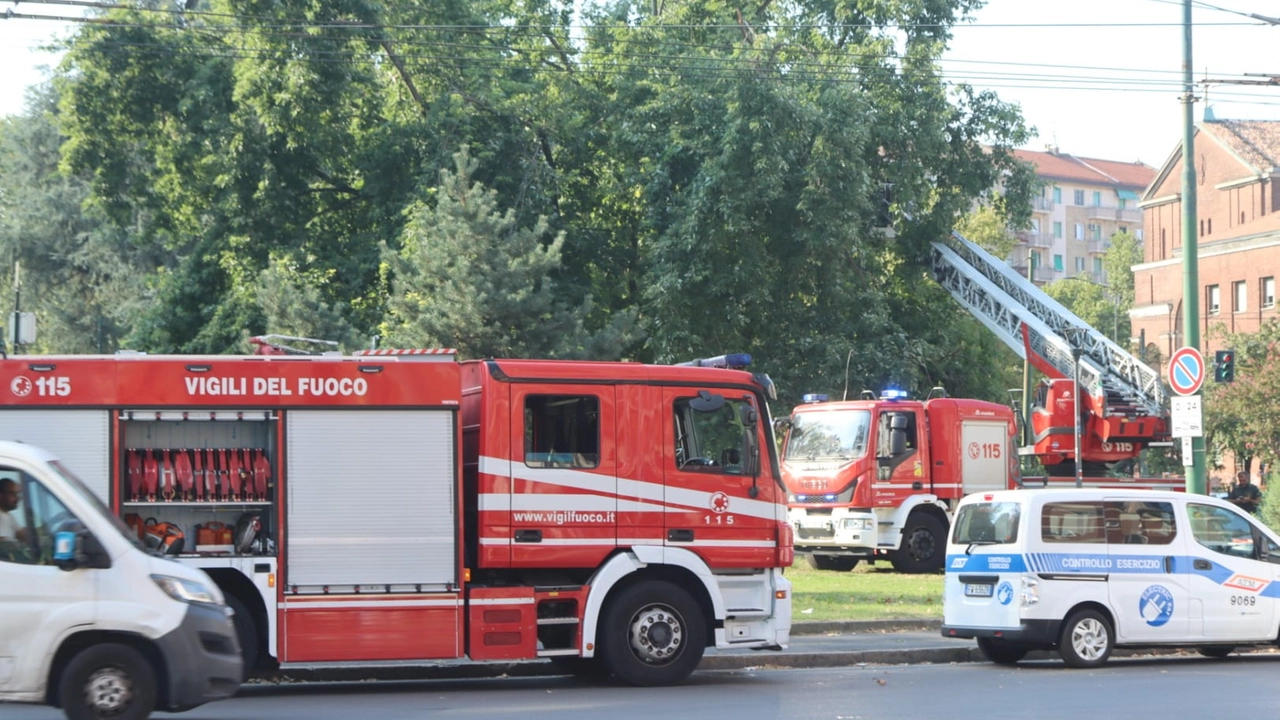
1244,600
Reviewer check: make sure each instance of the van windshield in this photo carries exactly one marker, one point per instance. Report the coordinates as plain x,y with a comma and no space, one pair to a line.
990,523
88,496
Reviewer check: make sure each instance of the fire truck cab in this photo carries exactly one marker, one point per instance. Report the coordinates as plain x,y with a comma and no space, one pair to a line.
403,505
882,475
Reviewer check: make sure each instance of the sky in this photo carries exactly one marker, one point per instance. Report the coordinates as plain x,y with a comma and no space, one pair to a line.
1097,78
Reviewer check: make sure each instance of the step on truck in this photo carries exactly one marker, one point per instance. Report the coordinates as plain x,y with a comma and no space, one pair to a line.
403,505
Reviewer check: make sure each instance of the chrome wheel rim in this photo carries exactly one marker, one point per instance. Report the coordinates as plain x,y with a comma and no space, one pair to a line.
1089,639
108,691
657,634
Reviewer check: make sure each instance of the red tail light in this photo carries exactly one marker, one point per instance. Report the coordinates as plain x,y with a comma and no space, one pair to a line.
786,544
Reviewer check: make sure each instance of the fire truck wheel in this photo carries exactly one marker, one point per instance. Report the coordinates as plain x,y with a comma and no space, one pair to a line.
652,633
108,680
246,634
833,562
923,545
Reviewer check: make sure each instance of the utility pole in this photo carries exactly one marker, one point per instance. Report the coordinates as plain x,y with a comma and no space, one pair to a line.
1195,482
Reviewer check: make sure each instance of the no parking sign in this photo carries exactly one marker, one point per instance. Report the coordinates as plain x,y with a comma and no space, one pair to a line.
1186,371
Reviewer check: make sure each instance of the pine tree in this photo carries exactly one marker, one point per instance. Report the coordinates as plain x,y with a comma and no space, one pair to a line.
468,277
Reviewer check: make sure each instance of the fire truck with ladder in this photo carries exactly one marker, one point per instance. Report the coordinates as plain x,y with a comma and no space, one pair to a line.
405,505
880,476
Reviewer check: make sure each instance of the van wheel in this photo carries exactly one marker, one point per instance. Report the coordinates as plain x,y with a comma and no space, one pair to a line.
1216,651
923,545
652,633
1001,652
1086,640
839,563
108,681
246,634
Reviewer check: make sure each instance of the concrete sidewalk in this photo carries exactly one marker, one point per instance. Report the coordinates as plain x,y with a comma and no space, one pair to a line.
813,644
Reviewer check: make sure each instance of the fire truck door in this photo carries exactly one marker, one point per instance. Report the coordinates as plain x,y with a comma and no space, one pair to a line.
720,500
564,481
901,465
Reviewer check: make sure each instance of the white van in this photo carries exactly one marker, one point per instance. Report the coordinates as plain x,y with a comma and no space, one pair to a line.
1088,570
92,622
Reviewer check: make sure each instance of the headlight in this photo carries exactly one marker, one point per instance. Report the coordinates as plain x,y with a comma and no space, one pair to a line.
859,524
188,591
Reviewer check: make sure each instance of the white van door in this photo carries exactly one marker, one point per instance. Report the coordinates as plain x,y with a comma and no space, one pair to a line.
1229,574
1149,581
40,602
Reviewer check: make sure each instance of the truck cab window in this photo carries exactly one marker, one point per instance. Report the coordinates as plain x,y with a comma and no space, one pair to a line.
29,517
712,436
562,431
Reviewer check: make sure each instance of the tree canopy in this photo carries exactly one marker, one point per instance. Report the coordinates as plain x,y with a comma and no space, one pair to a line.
654,181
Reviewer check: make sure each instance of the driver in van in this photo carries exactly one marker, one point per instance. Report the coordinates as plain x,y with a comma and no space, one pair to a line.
11,528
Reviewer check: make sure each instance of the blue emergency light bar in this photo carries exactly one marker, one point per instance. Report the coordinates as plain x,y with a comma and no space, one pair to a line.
814,397
732,360
894,394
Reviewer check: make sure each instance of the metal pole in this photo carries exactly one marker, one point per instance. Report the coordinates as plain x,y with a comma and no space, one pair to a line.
1027,434
1075,397
1195,482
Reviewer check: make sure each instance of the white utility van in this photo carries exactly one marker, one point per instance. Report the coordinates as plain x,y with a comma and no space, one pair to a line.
1088,570
92,622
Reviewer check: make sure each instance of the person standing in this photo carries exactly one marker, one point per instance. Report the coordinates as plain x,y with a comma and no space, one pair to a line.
1245,494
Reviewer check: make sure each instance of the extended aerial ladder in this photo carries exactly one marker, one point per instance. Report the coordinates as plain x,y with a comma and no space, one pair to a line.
1122,401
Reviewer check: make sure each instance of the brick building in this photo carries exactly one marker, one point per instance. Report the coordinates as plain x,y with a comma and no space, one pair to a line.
1238,234
1082,203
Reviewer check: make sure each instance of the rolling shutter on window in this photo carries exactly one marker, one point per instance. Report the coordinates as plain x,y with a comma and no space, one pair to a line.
78,437
371,497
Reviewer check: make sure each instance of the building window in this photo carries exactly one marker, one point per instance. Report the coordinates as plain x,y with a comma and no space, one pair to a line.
1123,203
1137,234
1079,264
1097,266
1057,263
1268,292
1057,194
1036,260
1079,231
1035,226
1209,224
1057,229
1212,299
1097,199
1240,291
1123,229
1078,196
1095,232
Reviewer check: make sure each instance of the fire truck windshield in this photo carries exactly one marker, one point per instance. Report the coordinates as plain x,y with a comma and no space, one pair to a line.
841,434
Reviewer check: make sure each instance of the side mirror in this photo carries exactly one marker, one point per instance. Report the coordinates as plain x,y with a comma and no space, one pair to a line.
781,425
897,442
748,416
73,550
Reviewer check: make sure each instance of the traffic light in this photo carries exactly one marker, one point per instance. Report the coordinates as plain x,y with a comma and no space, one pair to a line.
1224,366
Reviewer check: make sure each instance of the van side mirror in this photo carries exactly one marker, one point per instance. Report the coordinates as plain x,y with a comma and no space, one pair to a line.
73,550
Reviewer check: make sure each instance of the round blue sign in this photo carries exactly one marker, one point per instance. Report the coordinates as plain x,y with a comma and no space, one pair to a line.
1004,593
1156,605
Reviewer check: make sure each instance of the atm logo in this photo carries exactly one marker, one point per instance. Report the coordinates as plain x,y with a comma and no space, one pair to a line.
1246,583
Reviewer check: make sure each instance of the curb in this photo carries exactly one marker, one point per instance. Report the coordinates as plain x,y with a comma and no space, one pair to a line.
849,627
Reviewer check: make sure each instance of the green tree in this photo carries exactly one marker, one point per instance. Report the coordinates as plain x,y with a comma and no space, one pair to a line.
468,277
989,228
1239,416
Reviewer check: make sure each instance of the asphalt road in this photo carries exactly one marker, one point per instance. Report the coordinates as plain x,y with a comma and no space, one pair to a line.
1172,687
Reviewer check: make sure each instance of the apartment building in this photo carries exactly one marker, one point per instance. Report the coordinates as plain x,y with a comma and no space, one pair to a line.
1238,237
1082,203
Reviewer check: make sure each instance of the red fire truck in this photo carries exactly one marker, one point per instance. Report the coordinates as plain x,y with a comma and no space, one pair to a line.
407,506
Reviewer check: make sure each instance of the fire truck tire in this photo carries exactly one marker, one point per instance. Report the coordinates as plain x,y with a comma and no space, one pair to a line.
652,633
924,545
108,680
246,634
838,563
